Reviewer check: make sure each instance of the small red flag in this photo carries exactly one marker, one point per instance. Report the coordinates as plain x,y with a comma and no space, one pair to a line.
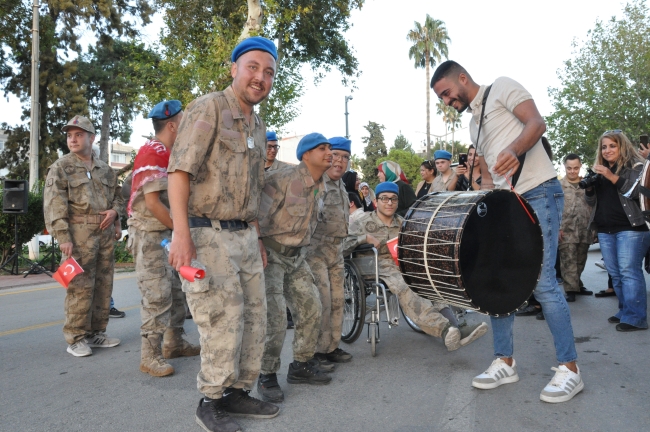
392,247
67,271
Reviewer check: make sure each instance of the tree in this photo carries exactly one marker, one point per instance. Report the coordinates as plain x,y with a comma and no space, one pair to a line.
61,94
429,46
451,118
356,163
374,150
604,86
196,59
408,161
401,143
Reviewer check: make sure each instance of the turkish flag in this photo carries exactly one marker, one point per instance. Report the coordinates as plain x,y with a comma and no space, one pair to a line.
392,247
67,271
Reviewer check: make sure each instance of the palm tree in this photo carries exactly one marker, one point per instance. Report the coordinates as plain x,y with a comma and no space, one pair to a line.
429,46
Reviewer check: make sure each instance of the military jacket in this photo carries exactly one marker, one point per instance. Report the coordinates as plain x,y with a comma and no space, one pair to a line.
278,165
226,175
334,217
439,186
370,223
141,218
73,189
575,218
288,211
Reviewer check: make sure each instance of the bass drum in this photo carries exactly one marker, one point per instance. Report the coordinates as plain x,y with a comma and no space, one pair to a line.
476,250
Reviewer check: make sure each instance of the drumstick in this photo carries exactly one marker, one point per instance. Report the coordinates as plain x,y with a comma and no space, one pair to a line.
520,201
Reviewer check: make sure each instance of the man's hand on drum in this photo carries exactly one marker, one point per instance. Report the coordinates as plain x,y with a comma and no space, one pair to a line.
372,240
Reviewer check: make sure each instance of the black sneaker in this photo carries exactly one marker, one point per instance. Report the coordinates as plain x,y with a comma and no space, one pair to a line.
239,403
540,315
290,324
570,296
324,364
114,313
307,373
212,417
269,389
339,356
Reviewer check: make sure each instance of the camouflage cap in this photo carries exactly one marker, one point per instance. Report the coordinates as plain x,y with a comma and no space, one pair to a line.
80,122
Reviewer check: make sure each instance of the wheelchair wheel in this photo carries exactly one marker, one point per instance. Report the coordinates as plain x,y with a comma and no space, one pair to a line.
373,338
354,304
411,324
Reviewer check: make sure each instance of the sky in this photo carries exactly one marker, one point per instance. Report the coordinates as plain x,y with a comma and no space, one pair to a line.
526,41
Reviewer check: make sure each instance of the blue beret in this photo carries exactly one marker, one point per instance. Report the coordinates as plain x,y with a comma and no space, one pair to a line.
271,136
441,154
386,187
252,44
165,110
340,143
308,142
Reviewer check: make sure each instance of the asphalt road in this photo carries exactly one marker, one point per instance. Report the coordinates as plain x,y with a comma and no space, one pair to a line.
413,384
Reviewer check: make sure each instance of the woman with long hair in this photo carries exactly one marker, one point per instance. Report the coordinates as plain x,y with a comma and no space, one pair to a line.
391,172
622,232
428,172
465,172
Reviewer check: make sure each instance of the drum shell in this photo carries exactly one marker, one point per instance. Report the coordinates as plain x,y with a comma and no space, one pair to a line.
483,252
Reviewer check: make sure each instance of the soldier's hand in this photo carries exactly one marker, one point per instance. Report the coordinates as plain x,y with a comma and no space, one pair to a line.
66,249
507,162
263,253
109,218
561,237
373,240
181,251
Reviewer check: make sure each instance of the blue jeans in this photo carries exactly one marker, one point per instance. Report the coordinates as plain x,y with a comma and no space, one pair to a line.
112,303
623,253
547,200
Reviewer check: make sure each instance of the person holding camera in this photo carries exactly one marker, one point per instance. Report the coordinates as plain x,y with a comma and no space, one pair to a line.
612,191
468,171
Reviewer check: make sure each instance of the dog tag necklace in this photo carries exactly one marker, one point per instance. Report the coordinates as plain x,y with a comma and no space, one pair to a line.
250,141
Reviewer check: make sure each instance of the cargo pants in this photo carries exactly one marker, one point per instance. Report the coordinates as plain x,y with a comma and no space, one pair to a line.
573,257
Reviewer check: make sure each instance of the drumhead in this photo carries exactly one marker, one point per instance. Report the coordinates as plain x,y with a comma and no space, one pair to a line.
501,253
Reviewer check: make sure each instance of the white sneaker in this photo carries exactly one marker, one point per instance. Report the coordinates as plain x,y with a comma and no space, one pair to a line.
498,373
100,340
600,264
451,338
469,334
80,349
564,385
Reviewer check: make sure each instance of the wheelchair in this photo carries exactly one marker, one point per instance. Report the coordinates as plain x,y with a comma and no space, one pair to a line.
366,298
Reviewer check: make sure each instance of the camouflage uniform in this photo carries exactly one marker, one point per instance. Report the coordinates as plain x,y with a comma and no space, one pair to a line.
576,236
287,223
278,165
423,312
163,301
226,180
325,259
75,195
439,186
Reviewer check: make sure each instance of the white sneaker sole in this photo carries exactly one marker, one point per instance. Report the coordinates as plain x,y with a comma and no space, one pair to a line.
564,398
477,333
488,386
78,354
452,339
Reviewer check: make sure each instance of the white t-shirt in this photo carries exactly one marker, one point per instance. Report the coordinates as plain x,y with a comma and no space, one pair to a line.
501,127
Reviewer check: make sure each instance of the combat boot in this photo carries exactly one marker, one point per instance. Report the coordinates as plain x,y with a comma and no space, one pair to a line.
239,403
307,373
324,364
174,345
269,389
151,360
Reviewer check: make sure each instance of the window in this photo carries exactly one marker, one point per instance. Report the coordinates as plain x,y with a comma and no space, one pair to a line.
118,158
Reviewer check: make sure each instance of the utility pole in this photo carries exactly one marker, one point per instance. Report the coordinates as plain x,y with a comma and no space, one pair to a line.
347,133
34,128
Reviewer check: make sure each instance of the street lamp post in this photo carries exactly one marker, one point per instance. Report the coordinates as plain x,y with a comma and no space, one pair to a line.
347,133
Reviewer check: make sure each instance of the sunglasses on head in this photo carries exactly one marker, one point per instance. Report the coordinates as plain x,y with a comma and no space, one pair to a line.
616,131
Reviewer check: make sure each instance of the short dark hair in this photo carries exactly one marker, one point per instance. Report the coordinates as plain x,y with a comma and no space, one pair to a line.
572,156
159,125
448,69
354,198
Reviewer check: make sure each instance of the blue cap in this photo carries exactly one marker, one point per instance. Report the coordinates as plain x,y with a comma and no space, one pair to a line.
340,143
165,110
271,136
386,187
308,142
441,154
252,44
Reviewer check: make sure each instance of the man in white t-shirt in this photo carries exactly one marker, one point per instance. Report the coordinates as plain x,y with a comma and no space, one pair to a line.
509,139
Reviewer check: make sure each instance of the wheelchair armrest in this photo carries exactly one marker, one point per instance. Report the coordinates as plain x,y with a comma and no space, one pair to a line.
363,247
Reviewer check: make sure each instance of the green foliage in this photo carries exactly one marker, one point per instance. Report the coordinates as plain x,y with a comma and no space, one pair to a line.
401,143
122,254
453,147
29,224
374,150
604,86
408,161
61,93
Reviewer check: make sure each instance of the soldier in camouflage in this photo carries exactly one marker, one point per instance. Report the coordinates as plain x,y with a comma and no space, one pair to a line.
575,236
272,162
83,200
289,213
377,228
216,175
325,254
163,301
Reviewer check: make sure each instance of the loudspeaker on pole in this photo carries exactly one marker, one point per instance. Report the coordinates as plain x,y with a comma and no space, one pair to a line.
14,196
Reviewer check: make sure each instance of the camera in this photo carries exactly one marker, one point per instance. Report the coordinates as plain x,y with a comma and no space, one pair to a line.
590,179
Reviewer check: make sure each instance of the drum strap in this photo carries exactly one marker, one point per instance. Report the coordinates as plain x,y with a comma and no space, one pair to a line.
521,158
